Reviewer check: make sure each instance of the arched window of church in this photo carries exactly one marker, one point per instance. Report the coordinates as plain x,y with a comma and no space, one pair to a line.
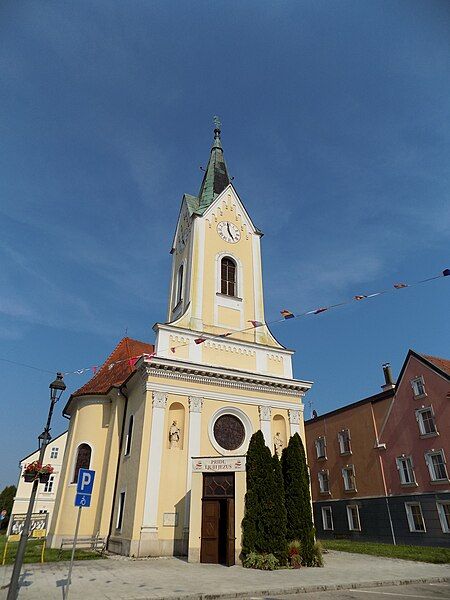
180,284
82,461
228,277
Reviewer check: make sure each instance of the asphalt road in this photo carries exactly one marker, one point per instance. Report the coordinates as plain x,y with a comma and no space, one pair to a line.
424,591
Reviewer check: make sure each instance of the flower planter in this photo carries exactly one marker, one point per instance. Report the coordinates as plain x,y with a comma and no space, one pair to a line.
44,477
29,477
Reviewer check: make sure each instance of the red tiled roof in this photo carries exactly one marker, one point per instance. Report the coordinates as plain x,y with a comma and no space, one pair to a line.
441,363
106,377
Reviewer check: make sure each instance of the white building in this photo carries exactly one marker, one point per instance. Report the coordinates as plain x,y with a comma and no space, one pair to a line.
45,499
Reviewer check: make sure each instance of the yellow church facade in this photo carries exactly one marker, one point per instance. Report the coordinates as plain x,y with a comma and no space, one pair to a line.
166,426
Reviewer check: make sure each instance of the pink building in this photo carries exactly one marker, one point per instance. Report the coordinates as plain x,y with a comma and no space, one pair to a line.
416,432
391,482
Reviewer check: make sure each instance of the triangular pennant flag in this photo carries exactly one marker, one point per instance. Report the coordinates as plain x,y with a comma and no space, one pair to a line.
320,310
94,370
79,372
149,356
111,366
173,349
257,323
446,272
399,286
286,314
133,360
226,334
200,340
360,297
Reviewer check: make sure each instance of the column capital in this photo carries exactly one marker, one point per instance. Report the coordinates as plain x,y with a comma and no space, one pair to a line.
265,413
159,400
294,417
195,404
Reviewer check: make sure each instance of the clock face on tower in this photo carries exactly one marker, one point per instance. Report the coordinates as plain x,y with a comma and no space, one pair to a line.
228,232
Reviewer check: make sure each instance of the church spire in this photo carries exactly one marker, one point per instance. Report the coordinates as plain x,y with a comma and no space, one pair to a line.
216,176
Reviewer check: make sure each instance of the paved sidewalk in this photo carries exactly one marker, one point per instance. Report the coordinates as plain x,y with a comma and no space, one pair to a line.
120,578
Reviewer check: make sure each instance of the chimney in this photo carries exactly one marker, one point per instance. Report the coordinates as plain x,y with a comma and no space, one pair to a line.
389,385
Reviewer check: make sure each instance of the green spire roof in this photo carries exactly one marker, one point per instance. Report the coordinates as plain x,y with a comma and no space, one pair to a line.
215,180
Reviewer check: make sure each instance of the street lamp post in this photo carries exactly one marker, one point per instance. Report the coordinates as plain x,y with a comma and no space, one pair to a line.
57,387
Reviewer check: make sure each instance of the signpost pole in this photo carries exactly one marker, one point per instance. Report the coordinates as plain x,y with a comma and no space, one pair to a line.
69,576
85,483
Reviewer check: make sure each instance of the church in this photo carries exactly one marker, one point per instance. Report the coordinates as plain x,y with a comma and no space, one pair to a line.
166,425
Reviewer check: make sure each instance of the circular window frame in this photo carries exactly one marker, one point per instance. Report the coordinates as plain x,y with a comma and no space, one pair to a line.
235,412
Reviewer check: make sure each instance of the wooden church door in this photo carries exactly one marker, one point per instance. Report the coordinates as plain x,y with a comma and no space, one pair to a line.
218,522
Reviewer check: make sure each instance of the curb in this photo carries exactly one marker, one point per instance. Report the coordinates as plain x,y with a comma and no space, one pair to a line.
262,594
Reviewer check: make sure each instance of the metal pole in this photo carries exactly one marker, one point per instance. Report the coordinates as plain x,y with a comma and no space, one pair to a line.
14,583
69,576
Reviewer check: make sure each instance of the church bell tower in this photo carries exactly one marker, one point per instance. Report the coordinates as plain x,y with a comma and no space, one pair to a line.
216,289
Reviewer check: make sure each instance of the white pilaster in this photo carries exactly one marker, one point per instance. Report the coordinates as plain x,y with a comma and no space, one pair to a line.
294,420
265,413
195,421
150,520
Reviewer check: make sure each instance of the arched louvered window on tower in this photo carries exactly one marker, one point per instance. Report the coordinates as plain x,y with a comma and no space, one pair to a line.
180,285
228,273
82,461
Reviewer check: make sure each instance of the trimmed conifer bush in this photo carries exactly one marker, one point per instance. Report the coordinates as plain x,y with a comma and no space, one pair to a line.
298,500
264,522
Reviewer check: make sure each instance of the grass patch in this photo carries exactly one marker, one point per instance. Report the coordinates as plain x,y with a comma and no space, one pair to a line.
419,553
33,553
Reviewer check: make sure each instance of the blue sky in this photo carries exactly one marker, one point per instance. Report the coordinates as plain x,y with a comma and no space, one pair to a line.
336,127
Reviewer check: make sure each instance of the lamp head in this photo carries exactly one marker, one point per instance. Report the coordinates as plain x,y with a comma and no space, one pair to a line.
57,387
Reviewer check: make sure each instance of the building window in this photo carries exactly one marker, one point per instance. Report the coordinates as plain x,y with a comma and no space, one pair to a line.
436,465
324,481
83,460
348,474
129,435
354,523
54,453
405,470
344,441
321,447
228,276
444,515
120,510
418,387
48,487
180,285
415,517
327,518
43,511
425,419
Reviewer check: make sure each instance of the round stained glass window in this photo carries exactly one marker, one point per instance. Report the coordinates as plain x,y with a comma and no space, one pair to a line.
229,432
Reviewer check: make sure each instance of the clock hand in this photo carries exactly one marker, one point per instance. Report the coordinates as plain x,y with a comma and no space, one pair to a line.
231,235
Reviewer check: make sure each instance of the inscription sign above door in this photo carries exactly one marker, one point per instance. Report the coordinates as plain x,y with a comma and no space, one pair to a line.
228,463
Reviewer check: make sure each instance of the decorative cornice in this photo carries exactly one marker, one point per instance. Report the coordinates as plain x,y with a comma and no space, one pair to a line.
265,413
159,400
229,383
230,348
218,376
195,404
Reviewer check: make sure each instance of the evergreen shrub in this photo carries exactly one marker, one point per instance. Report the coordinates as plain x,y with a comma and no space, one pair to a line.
264,522
298,500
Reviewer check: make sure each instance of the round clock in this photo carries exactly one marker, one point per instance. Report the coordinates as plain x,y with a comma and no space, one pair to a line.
228,232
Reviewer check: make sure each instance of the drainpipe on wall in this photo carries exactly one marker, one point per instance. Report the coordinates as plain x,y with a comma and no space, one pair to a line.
380,447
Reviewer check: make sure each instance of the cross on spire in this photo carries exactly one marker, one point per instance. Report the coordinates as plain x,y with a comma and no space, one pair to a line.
217,123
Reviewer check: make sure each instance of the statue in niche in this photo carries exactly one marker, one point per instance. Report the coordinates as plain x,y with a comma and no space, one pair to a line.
174,435
278,444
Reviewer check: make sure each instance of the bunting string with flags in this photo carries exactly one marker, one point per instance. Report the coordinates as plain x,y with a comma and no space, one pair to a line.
286,315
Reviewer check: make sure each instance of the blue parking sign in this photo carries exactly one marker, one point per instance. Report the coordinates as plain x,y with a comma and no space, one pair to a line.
85,481
83,500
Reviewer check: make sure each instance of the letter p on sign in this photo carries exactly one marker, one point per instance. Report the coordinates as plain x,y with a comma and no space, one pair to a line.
85,481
